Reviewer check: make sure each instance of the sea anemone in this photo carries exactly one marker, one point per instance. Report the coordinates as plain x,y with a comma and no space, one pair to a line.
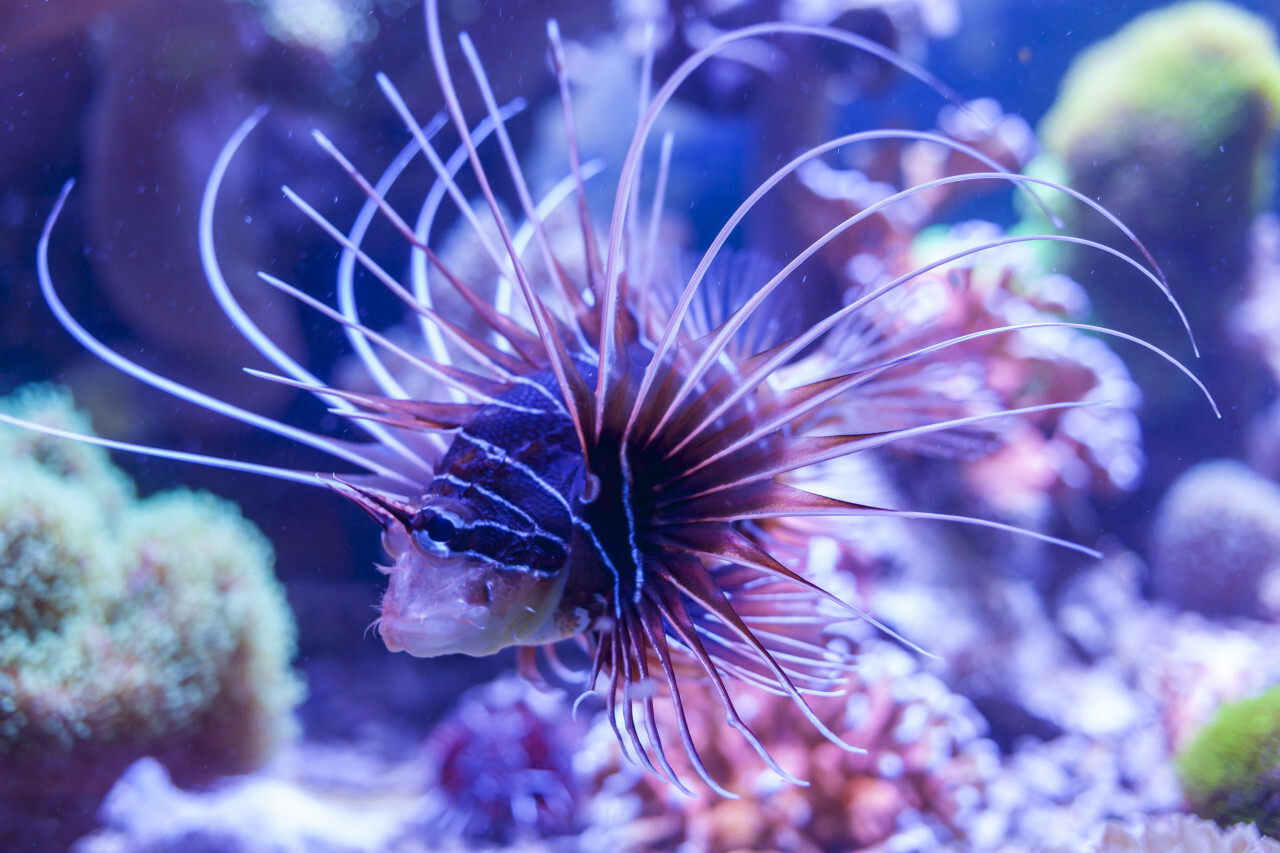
608,430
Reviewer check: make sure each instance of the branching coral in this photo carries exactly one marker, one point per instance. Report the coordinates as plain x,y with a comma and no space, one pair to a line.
919,783
1020,470
127,628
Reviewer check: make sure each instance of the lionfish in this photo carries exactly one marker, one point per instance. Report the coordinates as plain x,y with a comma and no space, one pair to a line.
603,463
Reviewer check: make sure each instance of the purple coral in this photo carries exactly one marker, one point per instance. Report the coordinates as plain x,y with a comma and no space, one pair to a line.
1216,539
501,766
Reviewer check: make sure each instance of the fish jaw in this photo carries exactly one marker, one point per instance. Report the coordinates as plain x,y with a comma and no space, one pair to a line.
450,604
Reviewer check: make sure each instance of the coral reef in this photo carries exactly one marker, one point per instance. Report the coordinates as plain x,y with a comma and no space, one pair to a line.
1231,771
1131,684
1216,540
1177,832
988,755
931,781
127,628
1169,123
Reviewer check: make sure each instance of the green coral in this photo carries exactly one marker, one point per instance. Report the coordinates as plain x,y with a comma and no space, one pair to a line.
1193,74
1170,123
128,627
1231,771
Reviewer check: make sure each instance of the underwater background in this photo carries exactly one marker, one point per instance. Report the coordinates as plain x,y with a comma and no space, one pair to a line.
179,672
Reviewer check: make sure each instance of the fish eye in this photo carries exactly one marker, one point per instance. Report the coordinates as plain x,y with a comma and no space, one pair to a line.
436,528
442,527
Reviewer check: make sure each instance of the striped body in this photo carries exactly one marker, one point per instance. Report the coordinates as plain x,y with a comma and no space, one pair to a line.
511,475
501,530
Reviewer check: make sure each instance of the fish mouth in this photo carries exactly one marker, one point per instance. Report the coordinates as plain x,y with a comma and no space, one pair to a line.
461,632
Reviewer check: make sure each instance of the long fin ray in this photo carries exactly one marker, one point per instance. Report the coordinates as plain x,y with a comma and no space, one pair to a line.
169,386
805,399
709,597
822,327
307,478
574,306
770,499
572,386
631,164
469,383
742,551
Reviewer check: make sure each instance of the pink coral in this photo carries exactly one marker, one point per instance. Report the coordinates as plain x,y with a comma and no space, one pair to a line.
922,771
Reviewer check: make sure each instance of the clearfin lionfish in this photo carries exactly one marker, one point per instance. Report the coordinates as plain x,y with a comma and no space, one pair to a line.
601,462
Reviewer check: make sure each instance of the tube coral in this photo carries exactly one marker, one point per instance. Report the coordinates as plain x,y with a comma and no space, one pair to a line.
127,628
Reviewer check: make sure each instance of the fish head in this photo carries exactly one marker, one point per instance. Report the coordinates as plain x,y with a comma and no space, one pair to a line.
460,583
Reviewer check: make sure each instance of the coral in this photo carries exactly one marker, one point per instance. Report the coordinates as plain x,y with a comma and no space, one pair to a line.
1194,73
1170,124
920,781
73,463
1131,683
1178,832
1231,771
127,628
501,766
1022,471
1055,455
269,812
1215,540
